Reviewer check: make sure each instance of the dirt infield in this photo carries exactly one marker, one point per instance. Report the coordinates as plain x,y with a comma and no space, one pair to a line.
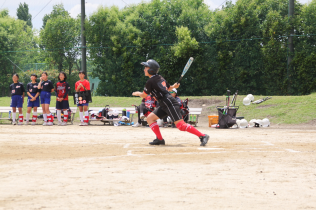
105,167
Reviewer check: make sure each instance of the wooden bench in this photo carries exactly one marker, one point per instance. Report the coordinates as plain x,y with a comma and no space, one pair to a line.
39,111
112,121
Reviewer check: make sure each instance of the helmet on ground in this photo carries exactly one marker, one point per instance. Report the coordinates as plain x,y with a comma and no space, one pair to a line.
258,123
242,123
251,97
252,123
246,101
265,122
153,65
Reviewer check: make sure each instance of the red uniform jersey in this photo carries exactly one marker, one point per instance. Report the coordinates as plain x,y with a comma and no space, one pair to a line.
85,83
149,101
62,89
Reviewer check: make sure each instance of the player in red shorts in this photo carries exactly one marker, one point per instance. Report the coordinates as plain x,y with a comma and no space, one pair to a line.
158,87
62,88
83,85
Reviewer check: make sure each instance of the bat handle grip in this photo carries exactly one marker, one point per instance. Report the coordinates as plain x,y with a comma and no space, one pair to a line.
179,79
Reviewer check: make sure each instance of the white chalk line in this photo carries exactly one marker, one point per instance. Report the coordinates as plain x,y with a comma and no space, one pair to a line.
126,145
270,144
267,143
129,153
209,148
291,150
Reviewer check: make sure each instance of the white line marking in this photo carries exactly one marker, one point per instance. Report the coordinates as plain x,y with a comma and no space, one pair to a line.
209,148
259,151
267,143
126,145
129,153
290,150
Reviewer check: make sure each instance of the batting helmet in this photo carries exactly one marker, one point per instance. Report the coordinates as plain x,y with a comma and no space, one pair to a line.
153,65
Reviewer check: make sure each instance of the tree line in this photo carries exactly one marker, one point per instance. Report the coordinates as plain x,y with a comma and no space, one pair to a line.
240,46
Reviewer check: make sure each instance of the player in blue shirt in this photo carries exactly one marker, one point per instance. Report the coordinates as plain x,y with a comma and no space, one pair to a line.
17,98
33,99
47,88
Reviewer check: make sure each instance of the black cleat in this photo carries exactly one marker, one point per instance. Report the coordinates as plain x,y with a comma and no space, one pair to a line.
204,139
157,142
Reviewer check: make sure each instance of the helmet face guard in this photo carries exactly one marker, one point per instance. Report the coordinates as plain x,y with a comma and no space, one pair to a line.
153,66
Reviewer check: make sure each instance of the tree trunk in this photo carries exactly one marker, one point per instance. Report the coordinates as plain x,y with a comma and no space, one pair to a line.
60,66
77,66
70,67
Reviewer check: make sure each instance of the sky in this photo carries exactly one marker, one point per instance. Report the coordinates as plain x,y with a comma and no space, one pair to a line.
38,8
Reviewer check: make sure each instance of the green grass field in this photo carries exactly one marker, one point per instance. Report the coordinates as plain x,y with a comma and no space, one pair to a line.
279,109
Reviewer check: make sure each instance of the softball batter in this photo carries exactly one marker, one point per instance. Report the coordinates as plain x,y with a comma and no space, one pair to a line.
158,87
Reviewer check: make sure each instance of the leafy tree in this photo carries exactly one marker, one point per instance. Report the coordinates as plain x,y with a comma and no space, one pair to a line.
23,14
58,10
13,37
60,39
304,62
4,13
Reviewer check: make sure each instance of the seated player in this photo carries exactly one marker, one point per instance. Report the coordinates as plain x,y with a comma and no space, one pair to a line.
145,108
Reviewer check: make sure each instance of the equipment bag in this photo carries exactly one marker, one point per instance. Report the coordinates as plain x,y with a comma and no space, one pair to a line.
226,116
82,97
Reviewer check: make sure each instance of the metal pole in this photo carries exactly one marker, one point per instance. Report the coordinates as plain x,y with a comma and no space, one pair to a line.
290,42
83,38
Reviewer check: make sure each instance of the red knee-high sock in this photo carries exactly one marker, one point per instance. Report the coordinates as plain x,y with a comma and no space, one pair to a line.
155,128
51,118
65,118
86,119
182,126
34,118
21,118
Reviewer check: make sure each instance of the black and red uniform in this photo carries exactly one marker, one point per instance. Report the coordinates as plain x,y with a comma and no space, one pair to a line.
62,89
158,87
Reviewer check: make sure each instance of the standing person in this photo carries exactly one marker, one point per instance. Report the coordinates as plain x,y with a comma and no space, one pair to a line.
62,89
47,88
17,98
33,99
157,86
83,85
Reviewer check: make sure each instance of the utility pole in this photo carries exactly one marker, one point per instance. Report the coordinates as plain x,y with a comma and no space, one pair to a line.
290,42
83,38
